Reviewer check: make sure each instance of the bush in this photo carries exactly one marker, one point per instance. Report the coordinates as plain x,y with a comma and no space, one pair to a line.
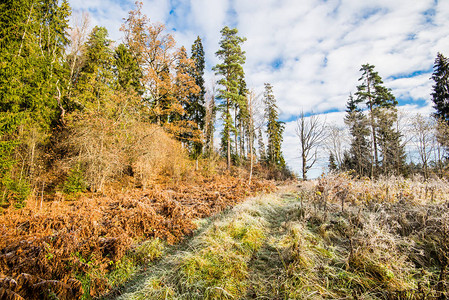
18,192
75,182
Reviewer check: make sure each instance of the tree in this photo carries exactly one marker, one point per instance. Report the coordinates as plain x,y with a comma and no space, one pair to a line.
167,77
251,132
335,142
440,94
423,133
231,70
311,132
33,38
275,128
127,70
74,58
390,143
211,111
332,164
181,124
358,157
375,96
95,82
156,56
196,110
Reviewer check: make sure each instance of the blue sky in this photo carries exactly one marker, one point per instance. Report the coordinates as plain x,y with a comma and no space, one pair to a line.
309,50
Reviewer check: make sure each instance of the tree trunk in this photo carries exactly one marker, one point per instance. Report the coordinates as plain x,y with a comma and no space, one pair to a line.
228,142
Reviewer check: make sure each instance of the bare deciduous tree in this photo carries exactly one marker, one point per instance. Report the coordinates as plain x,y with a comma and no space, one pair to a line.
423,137
311,132
336,139
78,36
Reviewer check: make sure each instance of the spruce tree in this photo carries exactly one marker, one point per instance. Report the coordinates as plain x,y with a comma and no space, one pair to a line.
33,37
440,94
332,164
275,128
196,109
231,70
95,83
128,73
358,157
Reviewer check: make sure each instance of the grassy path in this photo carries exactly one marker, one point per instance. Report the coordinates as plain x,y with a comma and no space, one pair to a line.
277,247
232,255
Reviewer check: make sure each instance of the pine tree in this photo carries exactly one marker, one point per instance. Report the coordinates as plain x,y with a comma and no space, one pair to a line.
231,71
376,97
275,128
241,120
440,94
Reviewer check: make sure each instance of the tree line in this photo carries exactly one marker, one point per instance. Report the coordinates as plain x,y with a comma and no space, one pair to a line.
73,95
378,135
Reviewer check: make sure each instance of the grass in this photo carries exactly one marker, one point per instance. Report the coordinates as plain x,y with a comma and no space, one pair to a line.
292,245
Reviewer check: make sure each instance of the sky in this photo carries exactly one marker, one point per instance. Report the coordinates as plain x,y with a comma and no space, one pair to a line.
310,51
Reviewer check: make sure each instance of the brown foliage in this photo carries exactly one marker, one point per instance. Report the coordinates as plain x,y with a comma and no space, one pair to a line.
42,248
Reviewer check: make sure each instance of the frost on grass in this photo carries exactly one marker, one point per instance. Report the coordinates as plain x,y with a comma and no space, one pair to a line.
216,265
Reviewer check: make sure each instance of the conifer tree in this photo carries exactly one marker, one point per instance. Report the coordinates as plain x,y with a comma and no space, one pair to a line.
231,70
127,70
376,97
393,153
275,128
33,37
261,145
196,109
95,83
241,120
359,157
440,94
332,164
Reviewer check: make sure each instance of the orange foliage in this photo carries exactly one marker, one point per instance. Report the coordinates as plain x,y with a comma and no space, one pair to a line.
55,241
166,74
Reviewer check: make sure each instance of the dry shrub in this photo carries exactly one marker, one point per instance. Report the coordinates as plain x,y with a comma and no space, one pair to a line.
106,148
154,153
98,145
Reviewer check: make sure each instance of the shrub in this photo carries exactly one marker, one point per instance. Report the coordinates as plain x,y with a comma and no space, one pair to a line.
74,182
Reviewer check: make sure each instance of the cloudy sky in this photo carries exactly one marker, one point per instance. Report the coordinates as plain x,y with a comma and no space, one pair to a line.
309,50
